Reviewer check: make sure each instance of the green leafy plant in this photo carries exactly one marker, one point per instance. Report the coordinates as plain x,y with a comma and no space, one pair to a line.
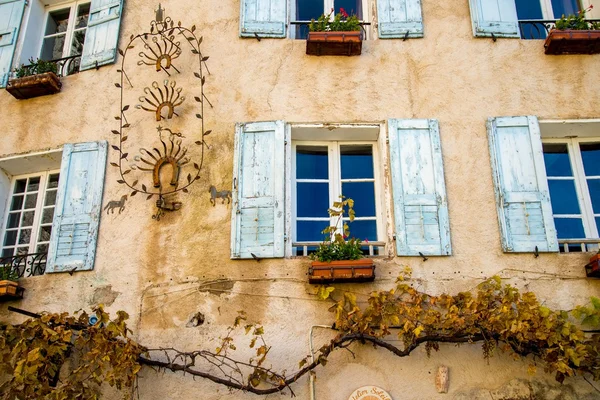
577,22
339,246
8,274
35,68
341,22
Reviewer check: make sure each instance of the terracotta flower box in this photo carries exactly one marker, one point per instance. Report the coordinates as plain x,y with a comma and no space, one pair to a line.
334,43
592,269
10,290
572,42
34,85
362,270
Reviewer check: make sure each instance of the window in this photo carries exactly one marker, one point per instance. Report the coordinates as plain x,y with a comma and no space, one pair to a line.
323,172
501,17
65,30
54,211
573,172
29,214
305,10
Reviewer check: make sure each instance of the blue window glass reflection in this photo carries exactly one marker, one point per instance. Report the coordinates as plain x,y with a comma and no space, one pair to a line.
363,194
564,7
311,162
310,231
305,11
363,229
312,199
590,153
556,159
594,186
357,162
563,197
352,7
569,228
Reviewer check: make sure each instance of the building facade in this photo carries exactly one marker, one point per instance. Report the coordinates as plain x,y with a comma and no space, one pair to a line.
469,153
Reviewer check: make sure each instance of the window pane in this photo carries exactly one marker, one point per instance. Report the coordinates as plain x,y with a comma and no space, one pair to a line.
305,11
53,181
350,6
310,231
34,184
556,159
77,44
357,162
363,230
563,197
42,248
25,236
311,162
20,185
363,194
598,223
594,186
83,14
47,215
17,203
58,21
8,252
27,218
45,233
590,153
31,200
13,220
312,199
52,48
50,198
564,7
10,238
569,228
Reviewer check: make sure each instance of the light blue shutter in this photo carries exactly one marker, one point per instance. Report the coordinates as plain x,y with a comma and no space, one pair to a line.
497,17
266,18
258,190
420,203
78,203
522,196
102,35
11,14
397,17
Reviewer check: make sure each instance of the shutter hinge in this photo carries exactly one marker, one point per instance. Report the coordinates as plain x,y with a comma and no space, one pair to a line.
387,141
285,142
238,211
394,236
285,238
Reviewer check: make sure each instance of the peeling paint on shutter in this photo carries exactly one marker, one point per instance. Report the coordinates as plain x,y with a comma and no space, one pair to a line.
78,204
497,17
266,18
258,211
420,203
399,17
11,14
522,196
102,35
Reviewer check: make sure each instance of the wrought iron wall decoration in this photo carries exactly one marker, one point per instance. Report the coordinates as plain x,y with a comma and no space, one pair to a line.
118,204
223,195
161,48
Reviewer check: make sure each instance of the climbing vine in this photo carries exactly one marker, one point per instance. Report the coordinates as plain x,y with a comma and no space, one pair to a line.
34,354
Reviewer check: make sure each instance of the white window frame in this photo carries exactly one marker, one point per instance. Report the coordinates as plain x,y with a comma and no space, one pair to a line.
581,187
382,194
74,6
327,6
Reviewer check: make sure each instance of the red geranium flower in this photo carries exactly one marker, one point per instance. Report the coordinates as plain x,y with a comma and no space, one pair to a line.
343,12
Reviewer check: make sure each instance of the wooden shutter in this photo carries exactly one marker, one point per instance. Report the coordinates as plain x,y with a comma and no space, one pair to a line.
522,196
420,203
266,18
259,190
11,14
78,203
497,17
102,35
396,18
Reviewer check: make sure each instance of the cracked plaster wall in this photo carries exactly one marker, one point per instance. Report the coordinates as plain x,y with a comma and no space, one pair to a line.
166,271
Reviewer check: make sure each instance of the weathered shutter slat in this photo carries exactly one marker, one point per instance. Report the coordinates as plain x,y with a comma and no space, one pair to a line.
102,35
266,18
78,206
11,14
522,195
420,203
494,17
258,190
396,18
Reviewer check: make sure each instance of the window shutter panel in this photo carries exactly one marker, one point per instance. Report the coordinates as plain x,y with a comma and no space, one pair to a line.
78,204
266,18
497,17
11,14
522,196
258,190
420,203
396,18
102,35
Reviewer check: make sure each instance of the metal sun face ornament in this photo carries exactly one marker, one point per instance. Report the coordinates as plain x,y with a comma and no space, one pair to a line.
155,99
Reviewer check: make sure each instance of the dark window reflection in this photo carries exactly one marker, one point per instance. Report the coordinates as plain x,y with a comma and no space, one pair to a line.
311,162
569,228
556,159
305,11
357,161
563,197
312,199
310,231
590,153
363,194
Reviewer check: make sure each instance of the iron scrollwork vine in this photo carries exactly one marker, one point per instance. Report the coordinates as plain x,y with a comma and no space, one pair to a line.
160,49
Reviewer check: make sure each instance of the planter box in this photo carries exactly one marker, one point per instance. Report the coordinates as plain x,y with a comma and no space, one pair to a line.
34,86
572,42
334,43
10,290
592,269
362,270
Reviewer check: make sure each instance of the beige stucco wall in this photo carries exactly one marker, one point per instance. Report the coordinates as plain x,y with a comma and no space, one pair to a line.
163,272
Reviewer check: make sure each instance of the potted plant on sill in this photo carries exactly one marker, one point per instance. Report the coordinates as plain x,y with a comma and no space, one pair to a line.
36,79
337,36
339,258
592,269
9,287
574,35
